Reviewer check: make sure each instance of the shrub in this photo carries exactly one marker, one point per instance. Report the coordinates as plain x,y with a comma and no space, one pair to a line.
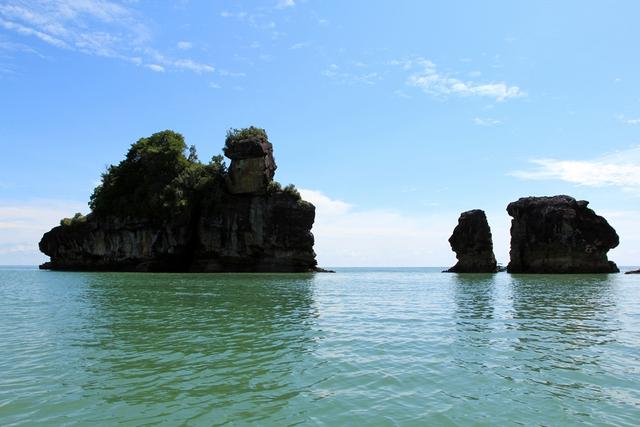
235,135
292,190
274,187
78,218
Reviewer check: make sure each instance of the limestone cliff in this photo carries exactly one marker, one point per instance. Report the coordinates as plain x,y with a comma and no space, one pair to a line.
472,243
239,220
559,235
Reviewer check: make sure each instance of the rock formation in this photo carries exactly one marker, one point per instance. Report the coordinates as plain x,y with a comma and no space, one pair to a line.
240,221
252,165
632,272
471,241
559,235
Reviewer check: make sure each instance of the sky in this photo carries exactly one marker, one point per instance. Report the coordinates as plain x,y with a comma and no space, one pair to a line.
392,117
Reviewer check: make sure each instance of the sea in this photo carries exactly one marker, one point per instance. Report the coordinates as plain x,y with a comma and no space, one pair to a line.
361,347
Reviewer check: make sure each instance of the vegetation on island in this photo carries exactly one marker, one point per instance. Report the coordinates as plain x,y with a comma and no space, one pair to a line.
161,177
235,135
78,218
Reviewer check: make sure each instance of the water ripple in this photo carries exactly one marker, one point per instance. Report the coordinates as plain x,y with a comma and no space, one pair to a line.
374,347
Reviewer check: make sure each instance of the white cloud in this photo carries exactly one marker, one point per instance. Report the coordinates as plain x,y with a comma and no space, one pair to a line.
296,46
155,67
486,121
184,45
197,67
632,121
401,94
237,15
347,236
436,83
227,73
94,27
617,169
341,76
285,3
22,225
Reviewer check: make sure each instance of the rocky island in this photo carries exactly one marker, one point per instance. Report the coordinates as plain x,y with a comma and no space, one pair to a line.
559,234
162,209
472,243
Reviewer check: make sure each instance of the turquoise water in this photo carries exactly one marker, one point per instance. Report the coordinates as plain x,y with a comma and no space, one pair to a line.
360,347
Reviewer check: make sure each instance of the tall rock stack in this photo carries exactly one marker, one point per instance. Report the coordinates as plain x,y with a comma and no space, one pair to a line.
472,243
559,235
252,165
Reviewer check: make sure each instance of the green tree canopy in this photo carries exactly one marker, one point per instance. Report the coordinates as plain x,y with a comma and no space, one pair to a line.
155,179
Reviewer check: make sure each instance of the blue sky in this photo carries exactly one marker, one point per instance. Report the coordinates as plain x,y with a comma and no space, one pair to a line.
393,117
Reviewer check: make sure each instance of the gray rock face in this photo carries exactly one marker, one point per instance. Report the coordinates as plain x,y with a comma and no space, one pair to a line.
559,235
238,226
262,233
471,241
252,165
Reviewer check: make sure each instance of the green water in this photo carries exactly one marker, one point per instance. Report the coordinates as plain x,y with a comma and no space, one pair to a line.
360,347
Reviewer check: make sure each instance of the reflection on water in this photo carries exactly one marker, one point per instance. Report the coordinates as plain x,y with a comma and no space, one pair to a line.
374,347
473,296
213,340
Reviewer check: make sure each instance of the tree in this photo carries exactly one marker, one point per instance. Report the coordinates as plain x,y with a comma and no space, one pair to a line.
136,186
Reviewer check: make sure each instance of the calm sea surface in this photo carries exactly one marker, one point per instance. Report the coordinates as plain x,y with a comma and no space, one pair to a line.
381,347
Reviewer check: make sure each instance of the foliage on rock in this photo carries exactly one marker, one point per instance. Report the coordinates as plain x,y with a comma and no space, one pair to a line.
235,135
155,180
78,218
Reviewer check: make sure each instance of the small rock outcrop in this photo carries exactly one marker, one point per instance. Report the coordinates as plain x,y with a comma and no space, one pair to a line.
559,234
632,272
161,211
471,241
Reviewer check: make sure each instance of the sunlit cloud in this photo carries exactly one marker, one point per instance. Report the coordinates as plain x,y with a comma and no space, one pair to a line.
617,169
348,236
486,121
92,27
425,75
285,3
184,45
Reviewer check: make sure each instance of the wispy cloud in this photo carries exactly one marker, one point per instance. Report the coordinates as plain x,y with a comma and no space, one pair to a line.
297,46
184,45
285,3
629,121
425,75
346,76
486,121
227,73
261,20
191,65
155,67
617,169
94,27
